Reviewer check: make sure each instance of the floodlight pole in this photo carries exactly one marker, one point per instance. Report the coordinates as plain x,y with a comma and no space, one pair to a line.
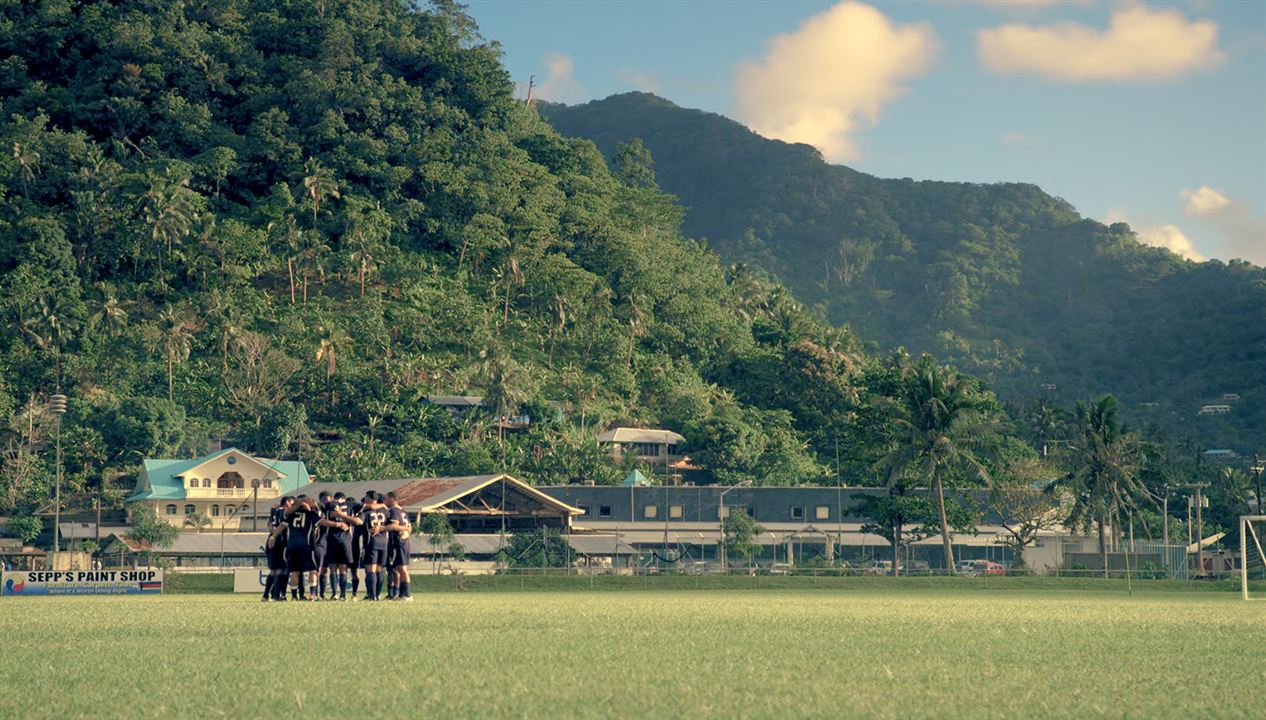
57,406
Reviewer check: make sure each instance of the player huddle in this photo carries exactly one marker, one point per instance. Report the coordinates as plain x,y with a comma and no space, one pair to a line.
315,546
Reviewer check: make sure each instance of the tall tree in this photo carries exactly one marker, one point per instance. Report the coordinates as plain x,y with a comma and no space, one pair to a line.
934,422
1104,462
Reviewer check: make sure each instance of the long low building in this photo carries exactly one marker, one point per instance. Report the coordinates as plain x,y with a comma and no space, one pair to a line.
800,523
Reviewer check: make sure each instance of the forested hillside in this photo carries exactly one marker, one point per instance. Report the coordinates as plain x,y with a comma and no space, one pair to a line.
284,224
1003,280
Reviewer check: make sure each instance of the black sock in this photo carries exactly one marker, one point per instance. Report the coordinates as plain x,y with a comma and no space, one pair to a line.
342,584
404,588
268,586
323,579
355,582
294,592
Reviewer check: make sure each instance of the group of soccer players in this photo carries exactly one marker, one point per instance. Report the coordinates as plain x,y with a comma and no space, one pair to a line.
315,546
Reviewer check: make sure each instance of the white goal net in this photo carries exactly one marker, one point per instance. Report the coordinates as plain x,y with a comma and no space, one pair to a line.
1252,556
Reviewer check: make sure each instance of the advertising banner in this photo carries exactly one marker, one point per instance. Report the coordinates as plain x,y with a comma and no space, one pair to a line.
82,582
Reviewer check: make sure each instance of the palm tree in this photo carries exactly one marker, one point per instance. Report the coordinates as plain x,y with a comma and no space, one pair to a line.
363,249
318,183
311,251
748,290
288,237
506,382
332,340
562,315
1045,423
934,422
110,315
511,276
175,338
1105,462
169,206
27,161
49,326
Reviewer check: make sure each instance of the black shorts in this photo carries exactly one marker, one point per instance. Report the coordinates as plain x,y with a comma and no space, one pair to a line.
374,555
299,559
399,555
277,556
358,549
318,554
338,552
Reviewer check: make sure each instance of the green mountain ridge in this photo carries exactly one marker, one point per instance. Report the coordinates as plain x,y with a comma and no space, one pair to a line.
1003,280
286,224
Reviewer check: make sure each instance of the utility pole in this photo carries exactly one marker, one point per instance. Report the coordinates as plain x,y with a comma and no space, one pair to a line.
531,84
1257,474
1200,527
255,505
1165,520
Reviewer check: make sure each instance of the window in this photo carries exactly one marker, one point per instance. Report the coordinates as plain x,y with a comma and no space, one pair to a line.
231,460
604,511
190,509
797,512
170,510
268,483
650,511
215,511
193,482
647,449
723,512
584,510
206,482
232,511
822,512
674,511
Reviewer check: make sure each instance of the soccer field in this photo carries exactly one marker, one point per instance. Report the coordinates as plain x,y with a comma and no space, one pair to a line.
892,652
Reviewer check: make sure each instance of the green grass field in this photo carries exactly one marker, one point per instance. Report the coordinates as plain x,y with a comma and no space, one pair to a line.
891,651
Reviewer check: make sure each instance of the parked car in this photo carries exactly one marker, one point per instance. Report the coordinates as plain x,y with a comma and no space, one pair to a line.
780,569
988,567
965,567
879,567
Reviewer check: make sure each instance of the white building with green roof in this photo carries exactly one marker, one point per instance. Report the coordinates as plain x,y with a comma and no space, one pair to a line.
219,486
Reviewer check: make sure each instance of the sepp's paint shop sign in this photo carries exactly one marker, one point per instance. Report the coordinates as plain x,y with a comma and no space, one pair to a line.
82,582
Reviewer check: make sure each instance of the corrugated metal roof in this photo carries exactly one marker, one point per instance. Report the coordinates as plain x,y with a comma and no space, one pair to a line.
166,483
641,435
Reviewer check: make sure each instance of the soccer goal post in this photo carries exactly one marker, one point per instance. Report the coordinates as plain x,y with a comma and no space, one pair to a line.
1252,558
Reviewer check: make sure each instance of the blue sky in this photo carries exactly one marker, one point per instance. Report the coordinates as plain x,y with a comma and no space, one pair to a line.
1153,112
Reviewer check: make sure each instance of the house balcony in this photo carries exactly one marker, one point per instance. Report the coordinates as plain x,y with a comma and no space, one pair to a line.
228,493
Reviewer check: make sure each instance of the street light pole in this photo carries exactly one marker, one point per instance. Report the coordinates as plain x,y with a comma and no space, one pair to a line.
721,523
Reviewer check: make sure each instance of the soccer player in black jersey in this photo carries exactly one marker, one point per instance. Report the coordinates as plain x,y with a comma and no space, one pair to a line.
275,546
357,544
319,547
301,522
398,529
373,518
338,553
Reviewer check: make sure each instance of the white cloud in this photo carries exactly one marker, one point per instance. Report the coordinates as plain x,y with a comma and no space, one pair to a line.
1168,236
1139,44
639,80
1243,235
560,83
1014,138
1204,200
821,83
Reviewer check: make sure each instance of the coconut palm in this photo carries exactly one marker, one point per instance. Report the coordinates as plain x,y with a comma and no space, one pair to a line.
507,388
1105,462
169,207
48,327
318,184
332,341
934,422
174,337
